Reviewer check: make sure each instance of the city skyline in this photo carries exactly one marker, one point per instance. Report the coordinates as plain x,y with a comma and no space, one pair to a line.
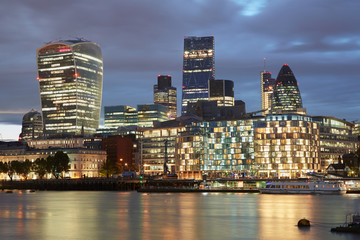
320,43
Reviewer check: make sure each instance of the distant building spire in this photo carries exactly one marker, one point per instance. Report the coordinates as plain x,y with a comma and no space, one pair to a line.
264,64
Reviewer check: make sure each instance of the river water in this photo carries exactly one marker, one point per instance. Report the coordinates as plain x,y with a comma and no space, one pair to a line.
130,215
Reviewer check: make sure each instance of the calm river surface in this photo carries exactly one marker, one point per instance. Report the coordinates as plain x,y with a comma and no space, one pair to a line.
131,215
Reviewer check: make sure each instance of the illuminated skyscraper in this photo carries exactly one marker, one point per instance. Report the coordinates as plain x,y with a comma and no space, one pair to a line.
267,87
198,68
70,75
286,96
221,91
165,94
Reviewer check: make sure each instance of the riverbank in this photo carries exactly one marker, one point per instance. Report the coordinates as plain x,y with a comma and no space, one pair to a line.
188,190
84,184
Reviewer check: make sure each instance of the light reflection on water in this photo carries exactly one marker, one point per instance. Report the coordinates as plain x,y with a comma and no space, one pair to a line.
132,215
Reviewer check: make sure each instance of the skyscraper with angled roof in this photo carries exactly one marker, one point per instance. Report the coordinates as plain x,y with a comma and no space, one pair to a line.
286,96
70,75
267,88
165,94
198,69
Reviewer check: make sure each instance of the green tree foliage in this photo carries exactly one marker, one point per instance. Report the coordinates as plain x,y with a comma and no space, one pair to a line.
17,167
108,168
41,167
58,163
9,166
3,167
26,168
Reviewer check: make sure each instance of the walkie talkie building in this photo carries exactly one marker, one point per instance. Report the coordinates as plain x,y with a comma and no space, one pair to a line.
70,75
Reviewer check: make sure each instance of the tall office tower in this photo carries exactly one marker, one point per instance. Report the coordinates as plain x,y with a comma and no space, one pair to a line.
221,91
165,94
70,74
198,69
32,126
286,96
119,116
267,88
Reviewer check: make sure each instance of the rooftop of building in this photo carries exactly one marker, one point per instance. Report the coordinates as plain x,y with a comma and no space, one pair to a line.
69,41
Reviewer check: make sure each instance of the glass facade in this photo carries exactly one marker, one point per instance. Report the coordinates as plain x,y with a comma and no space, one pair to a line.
277,146
70,75
267,88
217,148
198,69
286,96
153,149
148,113
32,126
119,116
221,91
336,139
165,94
286,145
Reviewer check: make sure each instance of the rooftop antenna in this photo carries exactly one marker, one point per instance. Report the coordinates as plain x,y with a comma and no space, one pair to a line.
264,64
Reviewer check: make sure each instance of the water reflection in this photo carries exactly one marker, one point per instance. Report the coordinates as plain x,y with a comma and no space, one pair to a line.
131,215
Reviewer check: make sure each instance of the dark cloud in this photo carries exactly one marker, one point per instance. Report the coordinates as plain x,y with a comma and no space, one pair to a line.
141,39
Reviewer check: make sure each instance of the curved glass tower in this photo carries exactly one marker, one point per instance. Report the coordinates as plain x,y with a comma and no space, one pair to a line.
286,96
32,126
70,75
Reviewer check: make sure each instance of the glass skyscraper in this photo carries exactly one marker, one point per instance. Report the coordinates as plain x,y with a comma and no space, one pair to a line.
119,116
198,69
165,94
267,88
221,91
70,75
32,126
286,96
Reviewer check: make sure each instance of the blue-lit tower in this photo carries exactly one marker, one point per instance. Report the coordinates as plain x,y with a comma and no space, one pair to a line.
198,69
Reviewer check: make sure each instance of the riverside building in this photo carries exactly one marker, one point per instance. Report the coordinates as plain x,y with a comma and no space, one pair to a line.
84,161
336,139
198,69
156,145
286,145
216,149
70,75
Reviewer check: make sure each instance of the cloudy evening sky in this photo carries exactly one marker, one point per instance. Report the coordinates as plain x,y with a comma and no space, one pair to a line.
318,39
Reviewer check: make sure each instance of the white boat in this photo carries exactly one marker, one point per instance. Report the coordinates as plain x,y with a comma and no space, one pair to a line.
304,187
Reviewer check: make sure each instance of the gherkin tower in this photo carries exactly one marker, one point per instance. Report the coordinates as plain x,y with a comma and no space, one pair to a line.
286,96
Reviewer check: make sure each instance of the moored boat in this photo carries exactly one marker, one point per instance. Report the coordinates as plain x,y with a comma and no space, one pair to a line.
304,187
352,226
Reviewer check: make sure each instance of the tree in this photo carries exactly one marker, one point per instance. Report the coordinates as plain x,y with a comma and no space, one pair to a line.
41,167
17,167
10,169
26,168
3,167
58,163
108,168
